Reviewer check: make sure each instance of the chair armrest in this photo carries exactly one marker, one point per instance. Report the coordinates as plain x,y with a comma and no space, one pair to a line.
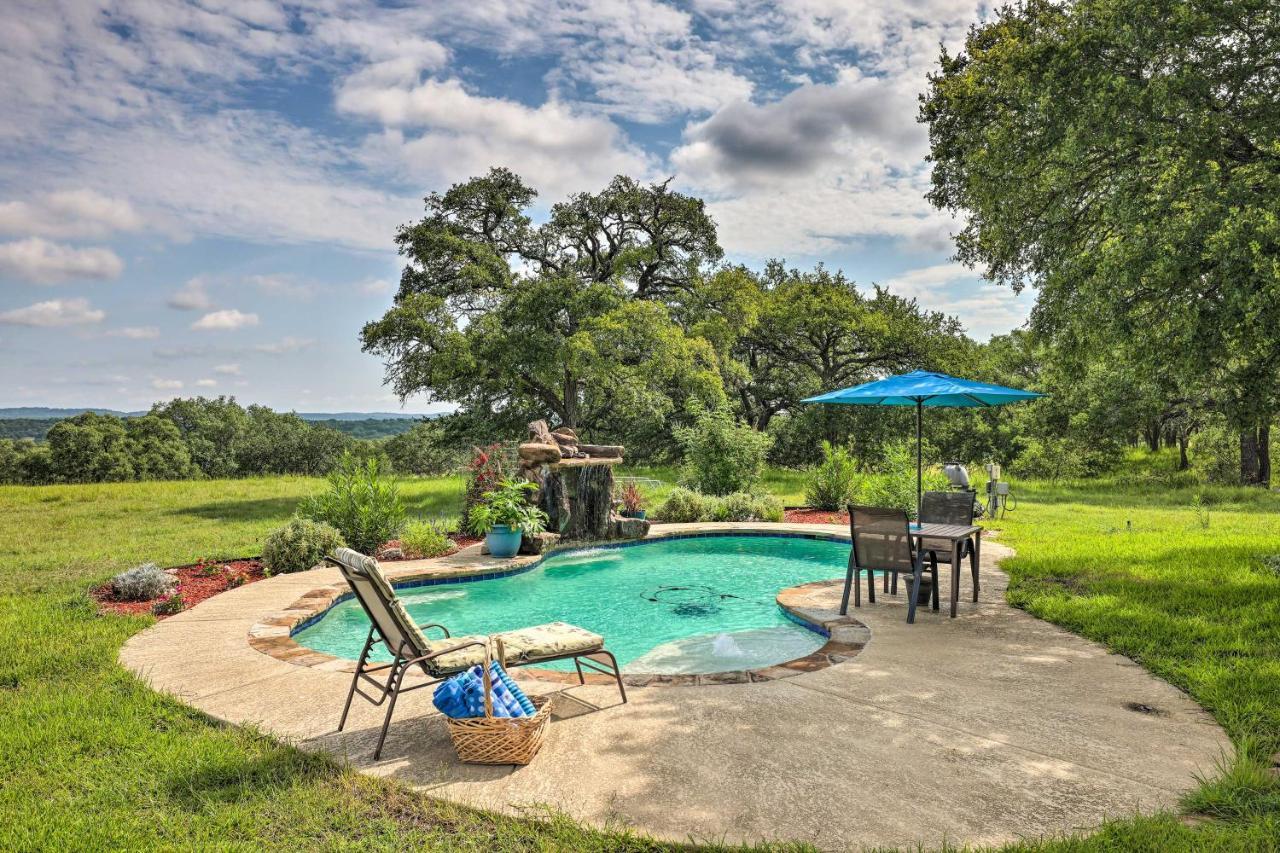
436,625
450,649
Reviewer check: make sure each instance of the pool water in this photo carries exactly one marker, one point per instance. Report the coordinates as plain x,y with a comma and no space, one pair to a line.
696,605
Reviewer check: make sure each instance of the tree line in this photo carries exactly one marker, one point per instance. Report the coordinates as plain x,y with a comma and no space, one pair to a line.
203,437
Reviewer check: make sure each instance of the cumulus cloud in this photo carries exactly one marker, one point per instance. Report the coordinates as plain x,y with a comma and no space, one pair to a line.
167,384
375,287
229,318
227,369
74,214
136,333
282,284
55,312
192,296
206,383
38,260
985,308
439,132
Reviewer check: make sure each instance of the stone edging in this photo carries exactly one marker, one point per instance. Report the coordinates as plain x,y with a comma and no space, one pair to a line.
846,636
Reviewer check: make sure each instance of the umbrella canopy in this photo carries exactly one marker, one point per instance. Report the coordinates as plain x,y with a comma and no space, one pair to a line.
921,388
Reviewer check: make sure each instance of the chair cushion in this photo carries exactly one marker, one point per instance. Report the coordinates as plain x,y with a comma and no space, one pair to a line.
548,641
454,661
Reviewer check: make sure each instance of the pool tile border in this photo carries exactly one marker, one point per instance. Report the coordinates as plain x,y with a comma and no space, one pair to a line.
273,633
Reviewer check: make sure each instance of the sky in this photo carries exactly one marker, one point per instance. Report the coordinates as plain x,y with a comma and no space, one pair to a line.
200,197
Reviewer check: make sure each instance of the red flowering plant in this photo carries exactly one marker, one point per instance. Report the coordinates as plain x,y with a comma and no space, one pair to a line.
484,473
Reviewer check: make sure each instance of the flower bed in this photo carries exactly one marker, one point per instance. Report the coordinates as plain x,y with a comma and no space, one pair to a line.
807,515
207,578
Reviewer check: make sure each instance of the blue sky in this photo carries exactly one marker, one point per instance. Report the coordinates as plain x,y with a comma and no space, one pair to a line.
199,197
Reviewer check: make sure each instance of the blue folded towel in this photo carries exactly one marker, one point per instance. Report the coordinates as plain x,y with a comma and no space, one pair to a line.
463,695
513,688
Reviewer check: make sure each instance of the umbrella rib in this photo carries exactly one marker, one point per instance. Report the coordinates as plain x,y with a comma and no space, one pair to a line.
980,402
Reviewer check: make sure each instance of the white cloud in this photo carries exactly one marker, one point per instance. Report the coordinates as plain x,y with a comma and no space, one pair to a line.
76,214
38,260
282,284
136,333
192,296
206,383
55,312
284,345
375,287
167,384
440,133
984,308
226,319
227,369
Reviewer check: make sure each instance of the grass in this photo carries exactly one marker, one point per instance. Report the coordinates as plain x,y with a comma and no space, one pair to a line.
91,759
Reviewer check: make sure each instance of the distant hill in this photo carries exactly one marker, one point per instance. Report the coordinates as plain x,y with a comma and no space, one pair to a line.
41,412
35,421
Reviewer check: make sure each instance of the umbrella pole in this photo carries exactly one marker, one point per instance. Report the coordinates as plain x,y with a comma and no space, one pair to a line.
919,460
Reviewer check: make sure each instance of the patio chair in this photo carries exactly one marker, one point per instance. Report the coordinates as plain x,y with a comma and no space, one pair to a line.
949,508
393,628
880,541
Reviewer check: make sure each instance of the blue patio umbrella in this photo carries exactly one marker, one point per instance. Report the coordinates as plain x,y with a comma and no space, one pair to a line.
921,388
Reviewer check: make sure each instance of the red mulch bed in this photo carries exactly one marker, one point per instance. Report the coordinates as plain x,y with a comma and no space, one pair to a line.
805,515
195,583
206,579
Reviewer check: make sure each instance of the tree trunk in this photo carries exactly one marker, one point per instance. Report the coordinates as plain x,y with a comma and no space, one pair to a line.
1152,435
1184,438
1264,455
1252,455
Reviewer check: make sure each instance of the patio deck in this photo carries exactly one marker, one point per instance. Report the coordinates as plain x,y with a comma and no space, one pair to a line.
983,729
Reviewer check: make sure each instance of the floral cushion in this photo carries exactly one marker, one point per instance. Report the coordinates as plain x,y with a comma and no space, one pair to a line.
454,661
547,641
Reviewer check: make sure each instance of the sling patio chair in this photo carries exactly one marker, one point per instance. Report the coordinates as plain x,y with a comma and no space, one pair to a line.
949,508
881,542
393,628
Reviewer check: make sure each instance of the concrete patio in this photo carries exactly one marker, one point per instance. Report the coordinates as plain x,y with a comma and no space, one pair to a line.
986,728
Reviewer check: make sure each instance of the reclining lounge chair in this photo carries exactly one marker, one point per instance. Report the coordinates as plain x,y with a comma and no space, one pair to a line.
439,659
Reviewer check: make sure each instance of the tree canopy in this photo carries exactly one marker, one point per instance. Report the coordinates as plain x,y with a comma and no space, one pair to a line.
1123,157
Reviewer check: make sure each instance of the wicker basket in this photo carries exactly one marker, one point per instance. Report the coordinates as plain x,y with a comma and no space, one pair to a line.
499,740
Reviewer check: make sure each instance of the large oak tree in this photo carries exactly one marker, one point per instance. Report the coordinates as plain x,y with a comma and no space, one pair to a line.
1123,157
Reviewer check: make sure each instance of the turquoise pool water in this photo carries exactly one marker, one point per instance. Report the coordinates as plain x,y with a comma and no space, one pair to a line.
695,605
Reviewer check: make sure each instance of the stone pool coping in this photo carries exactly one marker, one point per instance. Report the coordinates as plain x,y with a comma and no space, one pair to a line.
846,636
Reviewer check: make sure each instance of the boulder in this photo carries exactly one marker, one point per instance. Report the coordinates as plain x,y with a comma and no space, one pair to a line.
602,451
539,454
628,528
539,432
538,543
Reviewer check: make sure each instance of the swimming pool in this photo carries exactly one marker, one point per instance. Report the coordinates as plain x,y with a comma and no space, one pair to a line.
682,605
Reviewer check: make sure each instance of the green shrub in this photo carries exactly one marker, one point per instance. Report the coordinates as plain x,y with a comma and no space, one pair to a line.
895,484
831,484
721,456
485,472
362,503
745,506
683,506
1214,453
299,545
142,583
169,605
424,539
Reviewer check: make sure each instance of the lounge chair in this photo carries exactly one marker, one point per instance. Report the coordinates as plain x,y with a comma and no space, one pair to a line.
881,541
393,628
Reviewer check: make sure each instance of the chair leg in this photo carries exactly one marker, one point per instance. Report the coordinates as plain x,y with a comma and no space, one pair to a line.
617,674
848,583
397,678
933,570
355,679
914,592
582,679
871,586
886,583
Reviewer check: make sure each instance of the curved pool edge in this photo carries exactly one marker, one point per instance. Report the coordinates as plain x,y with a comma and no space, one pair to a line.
273,634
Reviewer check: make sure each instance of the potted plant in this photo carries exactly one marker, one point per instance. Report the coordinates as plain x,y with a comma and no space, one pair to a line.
505,515
632,501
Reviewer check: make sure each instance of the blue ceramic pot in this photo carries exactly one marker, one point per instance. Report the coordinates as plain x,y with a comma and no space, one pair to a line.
504,541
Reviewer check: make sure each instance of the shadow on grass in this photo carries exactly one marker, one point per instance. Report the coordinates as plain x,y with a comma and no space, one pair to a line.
251,509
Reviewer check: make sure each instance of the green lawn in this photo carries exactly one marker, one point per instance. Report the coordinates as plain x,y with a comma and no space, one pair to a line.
90,759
